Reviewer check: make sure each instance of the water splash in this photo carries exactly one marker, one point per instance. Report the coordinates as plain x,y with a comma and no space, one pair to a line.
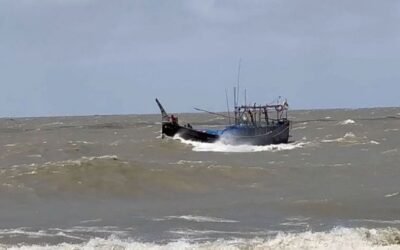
219,146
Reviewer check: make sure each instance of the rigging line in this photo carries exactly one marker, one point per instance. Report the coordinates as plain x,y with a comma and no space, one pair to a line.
213,113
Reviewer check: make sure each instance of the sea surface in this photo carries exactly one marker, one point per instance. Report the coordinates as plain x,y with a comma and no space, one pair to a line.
111,182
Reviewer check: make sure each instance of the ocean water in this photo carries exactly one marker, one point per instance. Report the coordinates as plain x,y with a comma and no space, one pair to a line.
111,182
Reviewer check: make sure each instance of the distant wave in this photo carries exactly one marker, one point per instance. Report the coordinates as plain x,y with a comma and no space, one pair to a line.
227,148
338,238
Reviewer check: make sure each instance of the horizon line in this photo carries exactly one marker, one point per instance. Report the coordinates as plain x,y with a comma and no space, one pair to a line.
157,113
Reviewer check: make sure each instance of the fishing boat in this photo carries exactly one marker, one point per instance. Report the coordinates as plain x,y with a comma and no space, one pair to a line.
252,125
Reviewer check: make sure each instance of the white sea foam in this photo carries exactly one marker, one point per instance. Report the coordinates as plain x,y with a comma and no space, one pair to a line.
81,142
390,151
391,129
52,124
102,157
200,219
348,137
228,148
115,143
217,118
23,231
90,221
299,221
299,128
295,224
392,194
67,233
35,156
183,162
203,233
79,162
340,238
392,222
347,122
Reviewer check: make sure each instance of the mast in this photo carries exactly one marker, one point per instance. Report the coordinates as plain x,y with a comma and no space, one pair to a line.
234,104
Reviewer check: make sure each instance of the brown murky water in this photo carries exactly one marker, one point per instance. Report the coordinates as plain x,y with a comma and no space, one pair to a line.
110,181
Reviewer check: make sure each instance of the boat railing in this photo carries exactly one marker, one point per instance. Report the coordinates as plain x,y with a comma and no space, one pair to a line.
259,115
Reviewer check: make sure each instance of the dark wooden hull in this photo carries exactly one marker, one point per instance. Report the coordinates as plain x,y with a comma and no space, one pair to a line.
251,136
170,129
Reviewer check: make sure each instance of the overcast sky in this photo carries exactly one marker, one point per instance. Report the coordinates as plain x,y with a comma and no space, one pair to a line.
77,57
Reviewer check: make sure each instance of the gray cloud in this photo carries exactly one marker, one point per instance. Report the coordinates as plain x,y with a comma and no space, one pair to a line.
86,57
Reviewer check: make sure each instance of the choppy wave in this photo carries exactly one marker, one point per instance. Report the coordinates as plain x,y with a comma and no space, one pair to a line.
339,238
108,175
228,148
351,138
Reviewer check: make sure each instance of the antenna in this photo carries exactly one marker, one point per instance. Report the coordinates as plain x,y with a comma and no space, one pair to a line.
227,106
245,97
238,80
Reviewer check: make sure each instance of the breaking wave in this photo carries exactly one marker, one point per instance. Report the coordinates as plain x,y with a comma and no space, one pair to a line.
219,146
338,238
